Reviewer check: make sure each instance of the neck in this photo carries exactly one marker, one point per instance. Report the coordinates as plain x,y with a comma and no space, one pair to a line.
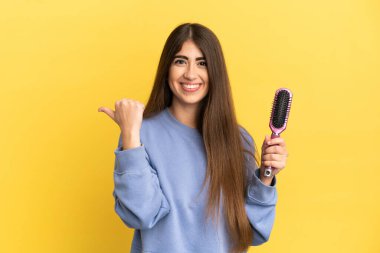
187,115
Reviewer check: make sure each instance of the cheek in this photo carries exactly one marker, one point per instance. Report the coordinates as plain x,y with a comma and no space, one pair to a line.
170,74
174,73
205,79
205,76
171,86
170,79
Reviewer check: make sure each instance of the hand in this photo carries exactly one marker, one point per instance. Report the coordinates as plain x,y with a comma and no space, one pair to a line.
128,115
273,154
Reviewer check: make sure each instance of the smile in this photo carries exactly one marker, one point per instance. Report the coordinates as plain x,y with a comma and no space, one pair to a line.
190,87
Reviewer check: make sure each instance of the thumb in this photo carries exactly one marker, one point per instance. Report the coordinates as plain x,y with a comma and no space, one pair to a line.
107,111
265,142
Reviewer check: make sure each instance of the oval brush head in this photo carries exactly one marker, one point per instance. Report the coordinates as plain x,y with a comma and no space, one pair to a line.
280,110
279,116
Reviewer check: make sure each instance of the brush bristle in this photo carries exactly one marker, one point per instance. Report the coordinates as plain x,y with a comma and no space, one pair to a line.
280,108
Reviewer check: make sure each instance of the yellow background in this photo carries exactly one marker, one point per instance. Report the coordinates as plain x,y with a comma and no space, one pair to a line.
61,60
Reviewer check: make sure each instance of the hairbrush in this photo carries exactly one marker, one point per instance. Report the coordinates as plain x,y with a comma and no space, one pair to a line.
279,116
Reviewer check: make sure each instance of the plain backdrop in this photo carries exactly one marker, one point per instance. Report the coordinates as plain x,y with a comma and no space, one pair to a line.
61,60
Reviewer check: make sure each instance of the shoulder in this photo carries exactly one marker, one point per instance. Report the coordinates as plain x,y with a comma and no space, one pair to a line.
245,134
247,138
154,121
154,124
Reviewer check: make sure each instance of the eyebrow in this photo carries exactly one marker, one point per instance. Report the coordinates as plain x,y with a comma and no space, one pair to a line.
186,58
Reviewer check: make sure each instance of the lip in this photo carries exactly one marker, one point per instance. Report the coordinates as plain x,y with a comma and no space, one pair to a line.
190,90
189,83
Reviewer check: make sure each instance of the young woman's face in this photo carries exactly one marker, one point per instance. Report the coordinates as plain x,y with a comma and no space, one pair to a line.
188,78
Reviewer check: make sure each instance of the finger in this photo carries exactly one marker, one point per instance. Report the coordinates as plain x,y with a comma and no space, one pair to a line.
107,111
267,139
265,142
277,141
276,149
274,164
274,157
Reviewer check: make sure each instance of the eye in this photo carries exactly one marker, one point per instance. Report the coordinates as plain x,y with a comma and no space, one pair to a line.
179,61
203,63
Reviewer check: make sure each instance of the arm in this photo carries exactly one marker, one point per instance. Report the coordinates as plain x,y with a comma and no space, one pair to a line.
261,198
260,207
139,200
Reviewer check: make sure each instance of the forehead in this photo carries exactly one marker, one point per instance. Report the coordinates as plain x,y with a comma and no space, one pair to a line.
190,49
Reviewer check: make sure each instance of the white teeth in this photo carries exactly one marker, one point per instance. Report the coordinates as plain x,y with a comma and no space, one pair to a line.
191,86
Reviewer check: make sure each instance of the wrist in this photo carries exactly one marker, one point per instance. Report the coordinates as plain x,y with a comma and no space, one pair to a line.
130,140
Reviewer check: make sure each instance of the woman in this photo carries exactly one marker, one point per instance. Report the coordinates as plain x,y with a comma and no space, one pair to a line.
183,158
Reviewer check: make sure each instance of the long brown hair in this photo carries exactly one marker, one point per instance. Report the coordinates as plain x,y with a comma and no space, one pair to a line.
226,169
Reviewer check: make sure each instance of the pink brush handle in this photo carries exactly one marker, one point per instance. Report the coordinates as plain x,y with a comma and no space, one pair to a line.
268,170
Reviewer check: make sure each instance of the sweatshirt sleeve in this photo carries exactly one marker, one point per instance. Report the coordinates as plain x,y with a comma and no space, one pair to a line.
260,207
260,199
139,200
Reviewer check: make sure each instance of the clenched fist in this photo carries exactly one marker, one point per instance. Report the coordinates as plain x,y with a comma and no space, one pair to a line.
128,115
273,154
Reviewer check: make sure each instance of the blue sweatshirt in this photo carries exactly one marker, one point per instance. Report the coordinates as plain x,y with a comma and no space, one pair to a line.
157,192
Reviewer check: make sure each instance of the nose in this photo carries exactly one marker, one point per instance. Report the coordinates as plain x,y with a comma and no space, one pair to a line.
190,72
